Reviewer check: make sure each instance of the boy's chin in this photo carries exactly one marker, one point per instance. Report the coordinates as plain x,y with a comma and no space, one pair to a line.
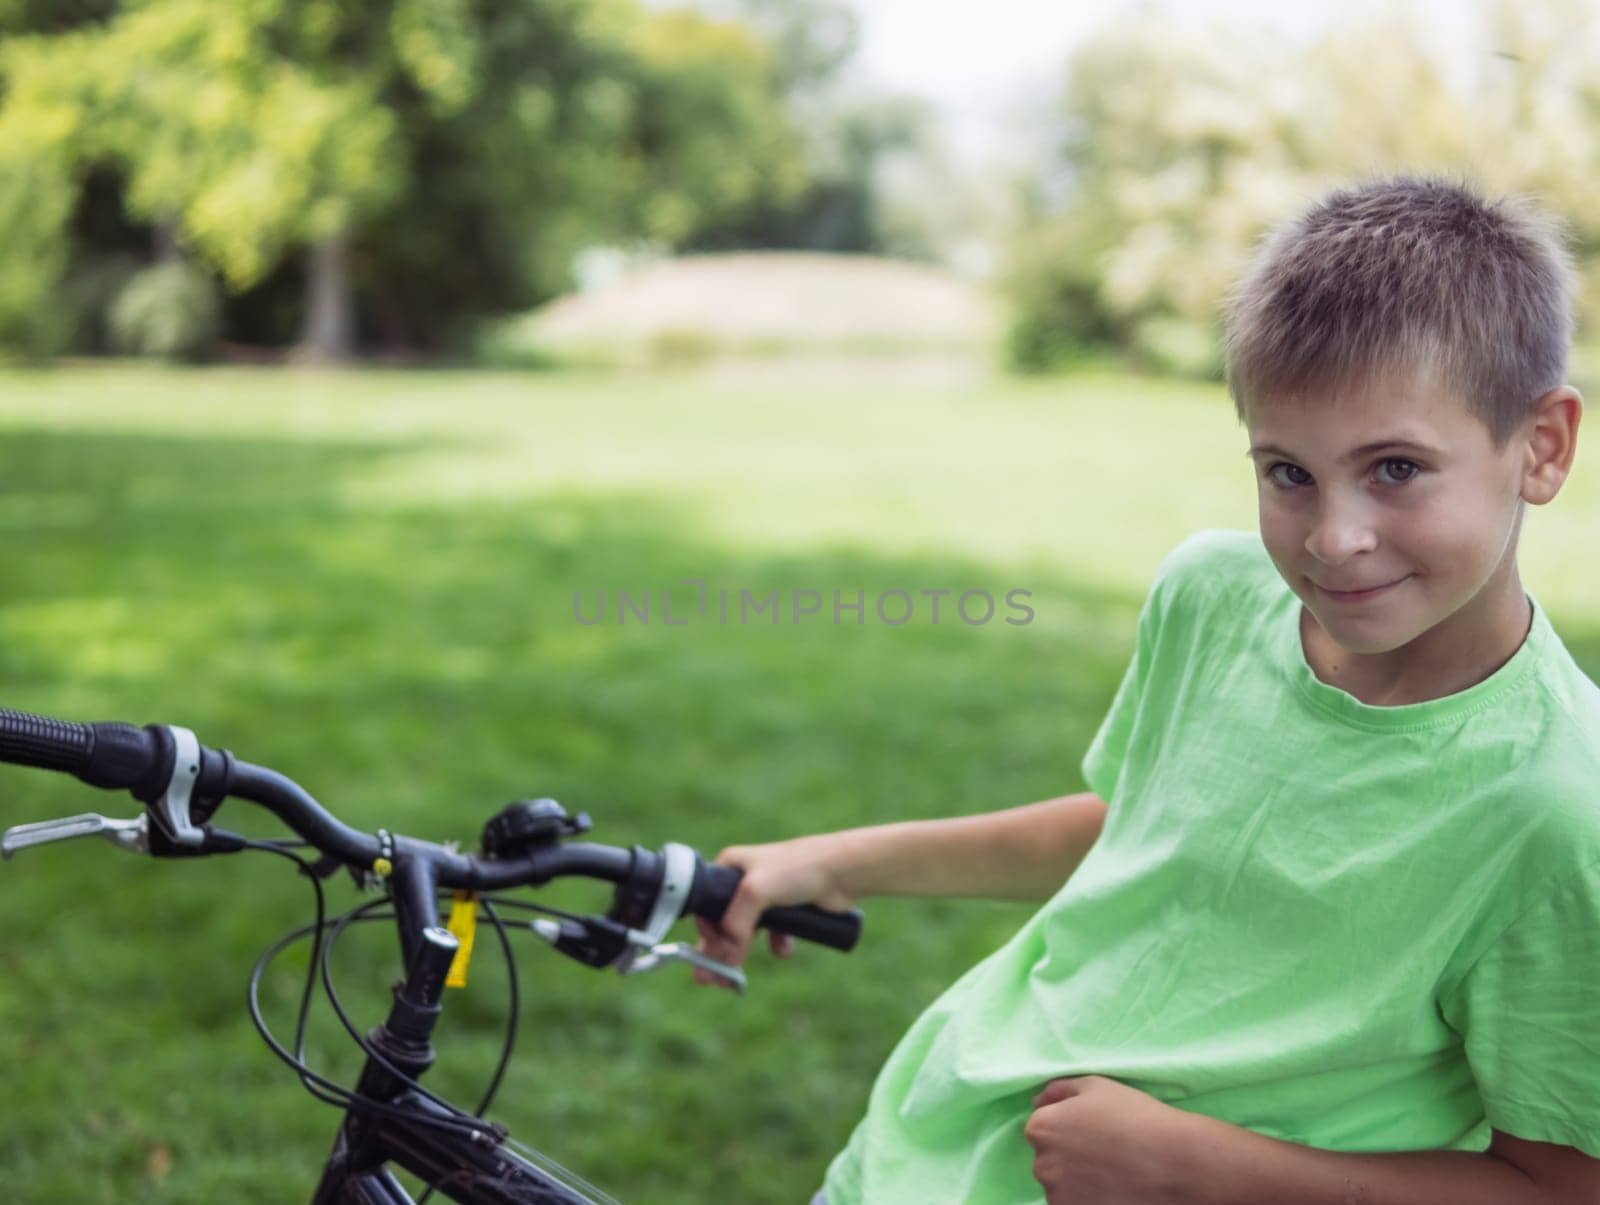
1360,637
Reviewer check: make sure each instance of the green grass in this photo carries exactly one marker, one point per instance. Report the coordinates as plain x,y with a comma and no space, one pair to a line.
366,580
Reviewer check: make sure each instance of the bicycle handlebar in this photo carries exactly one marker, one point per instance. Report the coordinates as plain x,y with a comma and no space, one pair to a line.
116,756
111,756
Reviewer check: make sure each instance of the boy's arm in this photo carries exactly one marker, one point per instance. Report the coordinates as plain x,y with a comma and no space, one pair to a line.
1241,1167
1098,1141
1023,853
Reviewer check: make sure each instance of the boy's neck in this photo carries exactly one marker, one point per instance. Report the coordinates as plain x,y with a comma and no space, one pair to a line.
1448,658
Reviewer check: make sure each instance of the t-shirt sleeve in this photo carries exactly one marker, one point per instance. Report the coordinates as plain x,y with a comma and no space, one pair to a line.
1102,764
1185,579
1529,1011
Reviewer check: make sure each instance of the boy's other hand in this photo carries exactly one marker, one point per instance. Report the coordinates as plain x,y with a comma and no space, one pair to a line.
776,874
1097,1141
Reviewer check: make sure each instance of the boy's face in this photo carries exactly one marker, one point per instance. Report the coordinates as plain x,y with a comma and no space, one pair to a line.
1385,543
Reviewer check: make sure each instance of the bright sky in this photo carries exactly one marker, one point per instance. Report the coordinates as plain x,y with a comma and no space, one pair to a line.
985,63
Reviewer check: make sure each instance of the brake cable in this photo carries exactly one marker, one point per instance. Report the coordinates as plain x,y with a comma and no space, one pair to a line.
321,961
320,1086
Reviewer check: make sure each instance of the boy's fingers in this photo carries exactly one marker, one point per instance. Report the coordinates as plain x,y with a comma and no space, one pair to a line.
716,942
1054,1092
738,927
782,945
711,944
713,937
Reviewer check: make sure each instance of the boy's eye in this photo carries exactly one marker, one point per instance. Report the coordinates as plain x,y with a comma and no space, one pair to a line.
1288,481
1411,469
1406,471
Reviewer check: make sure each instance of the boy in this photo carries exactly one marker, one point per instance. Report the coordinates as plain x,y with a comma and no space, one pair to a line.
1335,936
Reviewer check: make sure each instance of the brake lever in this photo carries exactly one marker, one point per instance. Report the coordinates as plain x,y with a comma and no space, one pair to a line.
663,954
131,835
600,942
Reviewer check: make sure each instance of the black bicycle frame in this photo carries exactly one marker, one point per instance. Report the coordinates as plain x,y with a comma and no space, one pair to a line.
466,1163
459,1167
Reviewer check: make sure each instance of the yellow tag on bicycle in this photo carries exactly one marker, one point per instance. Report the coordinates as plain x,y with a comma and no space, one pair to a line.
464,924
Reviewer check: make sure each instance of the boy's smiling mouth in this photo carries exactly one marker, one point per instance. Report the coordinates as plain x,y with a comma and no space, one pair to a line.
1358,595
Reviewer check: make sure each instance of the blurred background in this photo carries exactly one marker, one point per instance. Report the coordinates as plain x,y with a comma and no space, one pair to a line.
416,182
346,344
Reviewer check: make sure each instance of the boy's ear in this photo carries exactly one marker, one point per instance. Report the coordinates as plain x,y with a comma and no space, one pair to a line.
1550,441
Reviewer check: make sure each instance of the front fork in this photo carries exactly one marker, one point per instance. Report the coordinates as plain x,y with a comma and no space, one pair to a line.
465,1164
404,1041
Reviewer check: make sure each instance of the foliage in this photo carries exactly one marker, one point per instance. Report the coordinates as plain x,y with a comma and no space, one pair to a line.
1177,152
87,295
167,312
35,198
51,16
1057,317
465,149
642,127
850,137
811,40
215,131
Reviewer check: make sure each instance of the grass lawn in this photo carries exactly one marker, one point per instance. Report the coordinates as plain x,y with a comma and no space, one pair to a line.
367,580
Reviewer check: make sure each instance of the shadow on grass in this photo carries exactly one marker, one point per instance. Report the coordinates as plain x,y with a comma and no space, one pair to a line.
418,668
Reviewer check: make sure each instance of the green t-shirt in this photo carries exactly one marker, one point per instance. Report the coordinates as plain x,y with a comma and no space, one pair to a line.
1359,928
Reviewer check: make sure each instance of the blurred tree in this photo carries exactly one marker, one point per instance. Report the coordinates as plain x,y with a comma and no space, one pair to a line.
592,123
51,16
812,40
36,189
1539,95
226,148
839,206
1172,150
431,158
1176,152
851,137
36,194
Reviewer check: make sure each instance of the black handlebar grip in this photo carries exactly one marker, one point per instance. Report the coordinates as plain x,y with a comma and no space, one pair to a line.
838,930
714,888
107,755
36,740
139,759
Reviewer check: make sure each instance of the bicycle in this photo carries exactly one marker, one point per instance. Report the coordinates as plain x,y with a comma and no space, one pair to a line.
389,1118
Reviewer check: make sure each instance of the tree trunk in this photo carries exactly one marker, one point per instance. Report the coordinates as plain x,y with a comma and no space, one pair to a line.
164,242
328,333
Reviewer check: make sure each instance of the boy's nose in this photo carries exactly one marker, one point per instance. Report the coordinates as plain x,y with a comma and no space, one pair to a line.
1339,533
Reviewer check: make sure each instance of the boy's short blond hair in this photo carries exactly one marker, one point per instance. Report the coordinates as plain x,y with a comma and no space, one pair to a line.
1400,276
